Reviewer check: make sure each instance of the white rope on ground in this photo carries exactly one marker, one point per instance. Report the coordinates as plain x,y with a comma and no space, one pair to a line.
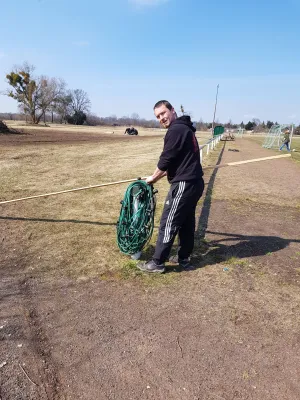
231,164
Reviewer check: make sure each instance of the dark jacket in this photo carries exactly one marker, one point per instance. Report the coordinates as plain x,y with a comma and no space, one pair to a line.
180,156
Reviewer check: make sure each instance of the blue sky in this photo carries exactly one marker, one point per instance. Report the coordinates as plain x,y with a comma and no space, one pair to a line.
127,54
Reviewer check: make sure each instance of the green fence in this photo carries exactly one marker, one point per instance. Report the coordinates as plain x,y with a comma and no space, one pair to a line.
218,130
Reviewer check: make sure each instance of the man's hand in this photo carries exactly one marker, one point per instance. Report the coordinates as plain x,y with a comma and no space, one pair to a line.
150,180
157,175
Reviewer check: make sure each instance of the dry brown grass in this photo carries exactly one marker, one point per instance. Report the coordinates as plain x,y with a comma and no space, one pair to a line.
77,130
74,234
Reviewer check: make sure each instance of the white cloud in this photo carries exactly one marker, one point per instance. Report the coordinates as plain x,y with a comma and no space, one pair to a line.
81,43
147,2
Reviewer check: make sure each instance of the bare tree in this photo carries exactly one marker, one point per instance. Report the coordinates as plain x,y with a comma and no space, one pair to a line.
52,90
94,120
62,107
256,121
228,124
80,102
34,94
135,116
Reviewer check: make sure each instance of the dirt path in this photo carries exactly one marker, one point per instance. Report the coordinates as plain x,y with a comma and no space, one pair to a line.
229,330
39,136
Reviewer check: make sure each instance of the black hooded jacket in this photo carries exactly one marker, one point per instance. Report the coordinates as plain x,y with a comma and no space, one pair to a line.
180,156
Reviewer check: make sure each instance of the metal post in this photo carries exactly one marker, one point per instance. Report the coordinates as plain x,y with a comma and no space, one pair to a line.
291,137
213,124
201,155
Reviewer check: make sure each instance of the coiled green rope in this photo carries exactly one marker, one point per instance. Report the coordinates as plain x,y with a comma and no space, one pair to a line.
136,222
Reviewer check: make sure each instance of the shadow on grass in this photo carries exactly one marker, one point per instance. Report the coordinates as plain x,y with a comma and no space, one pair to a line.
73,221
147,253
217,251
205,211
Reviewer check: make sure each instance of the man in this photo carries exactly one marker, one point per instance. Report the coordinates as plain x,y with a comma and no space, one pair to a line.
286,141
180,161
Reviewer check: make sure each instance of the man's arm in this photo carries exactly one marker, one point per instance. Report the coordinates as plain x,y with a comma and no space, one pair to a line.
157,174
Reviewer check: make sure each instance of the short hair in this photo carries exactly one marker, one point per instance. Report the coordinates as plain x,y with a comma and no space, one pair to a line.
163,102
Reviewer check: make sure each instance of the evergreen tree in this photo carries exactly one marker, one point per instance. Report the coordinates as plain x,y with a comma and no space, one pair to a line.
249,126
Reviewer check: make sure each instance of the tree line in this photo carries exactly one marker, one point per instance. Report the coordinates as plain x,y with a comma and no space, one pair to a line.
91,120
256,124
48,99
135,120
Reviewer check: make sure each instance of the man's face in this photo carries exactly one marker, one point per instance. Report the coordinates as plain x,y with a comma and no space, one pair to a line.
164,115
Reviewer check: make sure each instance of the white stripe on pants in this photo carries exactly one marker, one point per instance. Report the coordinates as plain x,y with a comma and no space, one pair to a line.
173,211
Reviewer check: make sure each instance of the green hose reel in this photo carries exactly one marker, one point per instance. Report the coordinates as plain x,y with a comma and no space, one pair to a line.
136,221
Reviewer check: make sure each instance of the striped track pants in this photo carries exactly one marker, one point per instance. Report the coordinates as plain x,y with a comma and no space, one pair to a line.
178,217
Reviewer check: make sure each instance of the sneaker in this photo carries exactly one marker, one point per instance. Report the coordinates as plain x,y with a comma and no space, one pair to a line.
150,266
185,264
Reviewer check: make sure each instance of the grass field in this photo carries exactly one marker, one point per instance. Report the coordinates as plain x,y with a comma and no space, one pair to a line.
295,145
75,234
77,129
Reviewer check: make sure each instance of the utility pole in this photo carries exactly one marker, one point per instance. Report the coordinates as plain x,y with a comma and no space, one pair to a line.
291,135
213,124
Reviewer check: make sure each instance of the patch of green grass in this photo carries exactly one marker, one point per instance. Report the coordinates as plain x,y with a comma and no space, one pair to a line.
129,271
246,375
260,273
236,261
